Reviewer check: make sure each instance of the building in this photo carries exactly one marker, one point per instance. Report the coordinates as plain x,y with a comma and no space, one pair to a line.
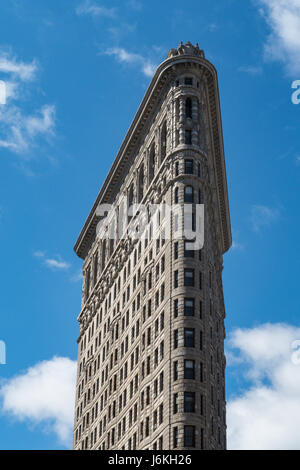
151,362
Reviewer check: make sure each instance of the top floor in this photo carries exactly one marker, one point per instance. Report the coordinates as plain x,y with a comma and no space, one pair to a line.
180,110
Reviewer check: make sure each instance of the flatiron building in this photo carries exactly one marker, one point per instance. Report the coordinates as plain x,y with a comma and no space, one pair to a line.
151,364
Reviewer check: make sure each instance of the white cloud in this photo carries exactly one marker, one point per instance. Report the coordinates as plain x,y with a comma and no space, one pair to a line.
44,395
53,263
237,246
20,130
263,216
283,44
18,69
77,277
146,66
91,8
251,70
267,414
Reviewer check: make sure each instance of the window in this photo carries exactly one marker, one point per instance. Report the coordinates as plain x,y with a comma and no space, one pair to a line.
175,279
161,382
176,168
188,81
175,339
147,427
189,402
188,108
189,337
95,268
175,308
141,184
189,277
189,307
176,250
189,369
188,137
152,163
163,140
188,194
161,413
176,195
87,283
189,436
175,403
199,196
175,437
189,167
175,370
188,253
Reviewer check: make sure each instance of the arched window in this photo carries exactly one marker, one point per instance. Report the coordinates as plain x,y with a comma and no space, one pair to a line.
141,184
163,141
189,194
152,163
188,108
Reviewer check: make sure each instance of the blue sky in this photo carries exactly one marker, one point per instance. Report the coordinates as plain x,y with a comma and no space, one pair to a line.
75,73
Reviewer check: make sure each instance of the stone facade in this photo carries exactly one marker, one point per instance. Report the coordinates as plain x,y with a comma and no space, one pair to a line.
151,364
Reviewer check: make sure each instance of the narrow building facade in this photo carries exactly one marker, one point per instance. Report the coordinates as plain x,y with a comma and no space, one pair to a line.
151,364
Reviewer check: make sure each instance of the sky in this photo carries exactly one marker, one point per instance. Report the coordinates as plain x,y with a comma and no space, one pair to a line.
75,73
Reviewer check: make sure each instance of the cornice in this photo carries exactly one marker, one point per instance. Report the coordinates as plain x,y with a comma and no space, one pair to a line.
164,73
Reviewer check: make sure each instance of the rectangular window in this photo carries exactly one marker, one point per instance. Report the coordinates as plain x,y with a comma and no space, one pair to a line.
189,307
189,369
175,339
175,308
175,437
189,402
189,278
176,250
187,252
188,81
189,337
175,279
189,436
189,167
175,403
175,370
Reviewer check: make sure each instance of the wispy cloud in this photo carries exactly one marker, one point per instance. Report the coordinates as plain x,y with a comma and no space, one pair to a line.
56,263
251,70
89,7
77,277
134,4
43,395
22,130
266,414
263,216
283,43
126,57
237,246
18,69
